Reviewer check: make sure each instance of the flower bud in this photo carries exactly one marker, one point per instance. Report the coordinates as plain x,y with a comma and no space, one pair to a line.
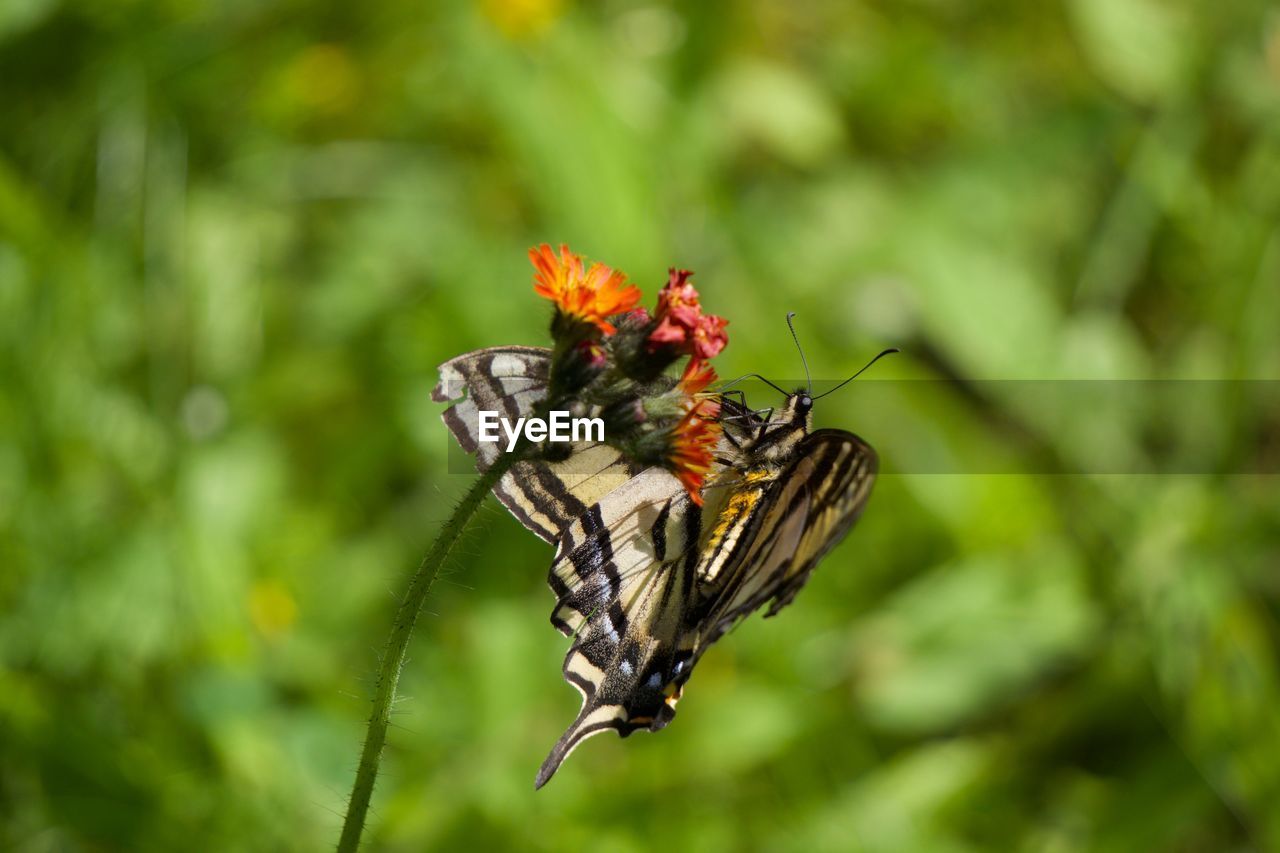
621,418
575,367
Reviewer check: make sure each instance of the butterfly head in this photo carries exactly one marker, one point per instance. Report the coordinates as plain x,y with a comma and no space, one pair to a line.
801,401
786,426
797,412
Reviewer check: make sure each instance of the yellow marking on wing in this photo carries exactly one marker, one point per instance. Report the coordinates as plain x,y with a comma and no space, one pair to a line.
740,503
729,526
738,507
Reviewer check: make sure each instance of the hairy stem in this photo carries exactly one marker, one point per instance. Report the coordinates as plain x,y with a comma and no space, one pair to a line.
398,643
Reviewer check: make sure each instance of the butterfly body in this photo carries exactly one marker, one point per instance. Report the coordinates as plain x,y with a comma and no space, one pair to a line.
645,579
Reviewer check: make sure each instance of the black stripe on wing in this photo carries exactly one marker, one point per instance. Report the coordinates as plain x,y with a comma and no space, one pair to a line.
804,513
543,496
842,488
627,599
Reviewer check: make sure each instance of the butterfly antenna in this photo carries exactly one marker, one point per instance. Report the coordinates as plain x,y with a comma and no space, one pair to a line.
730,384
807,378
860,372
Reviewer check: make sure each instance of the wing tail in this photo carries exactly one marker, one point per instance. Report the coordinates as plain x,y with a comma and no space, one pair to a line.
631,690
592,720
625,602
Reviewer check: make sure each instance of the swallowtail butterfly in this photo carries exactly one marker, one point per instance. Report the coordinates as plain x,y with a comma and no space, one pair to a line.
646,580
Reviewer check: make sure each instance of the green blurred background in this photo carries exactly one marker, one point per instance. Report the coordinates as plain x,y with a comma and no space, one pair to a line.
236,238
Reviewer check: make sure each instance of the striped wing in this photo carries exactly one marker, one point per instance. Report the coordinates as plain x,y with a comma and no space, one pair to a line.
635,591
623,578
803,514
544,496
626,541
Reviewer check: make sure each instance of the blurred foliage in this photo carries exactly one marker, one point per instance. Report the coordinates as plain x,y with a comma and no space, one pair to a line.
236,238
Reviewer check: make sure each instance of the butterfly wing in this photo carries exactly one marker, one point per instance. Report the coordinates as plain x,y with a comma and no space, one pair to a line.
627,577
805,513
626,539
544,496
623,577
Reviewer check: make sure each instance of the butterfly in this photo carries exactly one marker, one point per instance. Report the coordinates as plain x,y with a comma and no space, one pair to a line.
645,579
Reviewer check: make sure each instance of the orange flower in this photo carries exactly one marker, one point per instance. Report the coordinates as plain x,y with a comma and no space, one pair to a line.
693,383
695,436
693,440
591,295
697,376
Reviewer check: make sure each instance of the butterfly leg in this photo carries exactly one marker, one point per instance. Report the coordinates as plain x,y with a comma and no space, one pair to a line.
765,426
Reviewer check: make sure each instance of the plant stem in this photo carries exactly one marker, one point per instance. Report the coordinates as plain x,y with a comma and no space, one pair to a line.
398,643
